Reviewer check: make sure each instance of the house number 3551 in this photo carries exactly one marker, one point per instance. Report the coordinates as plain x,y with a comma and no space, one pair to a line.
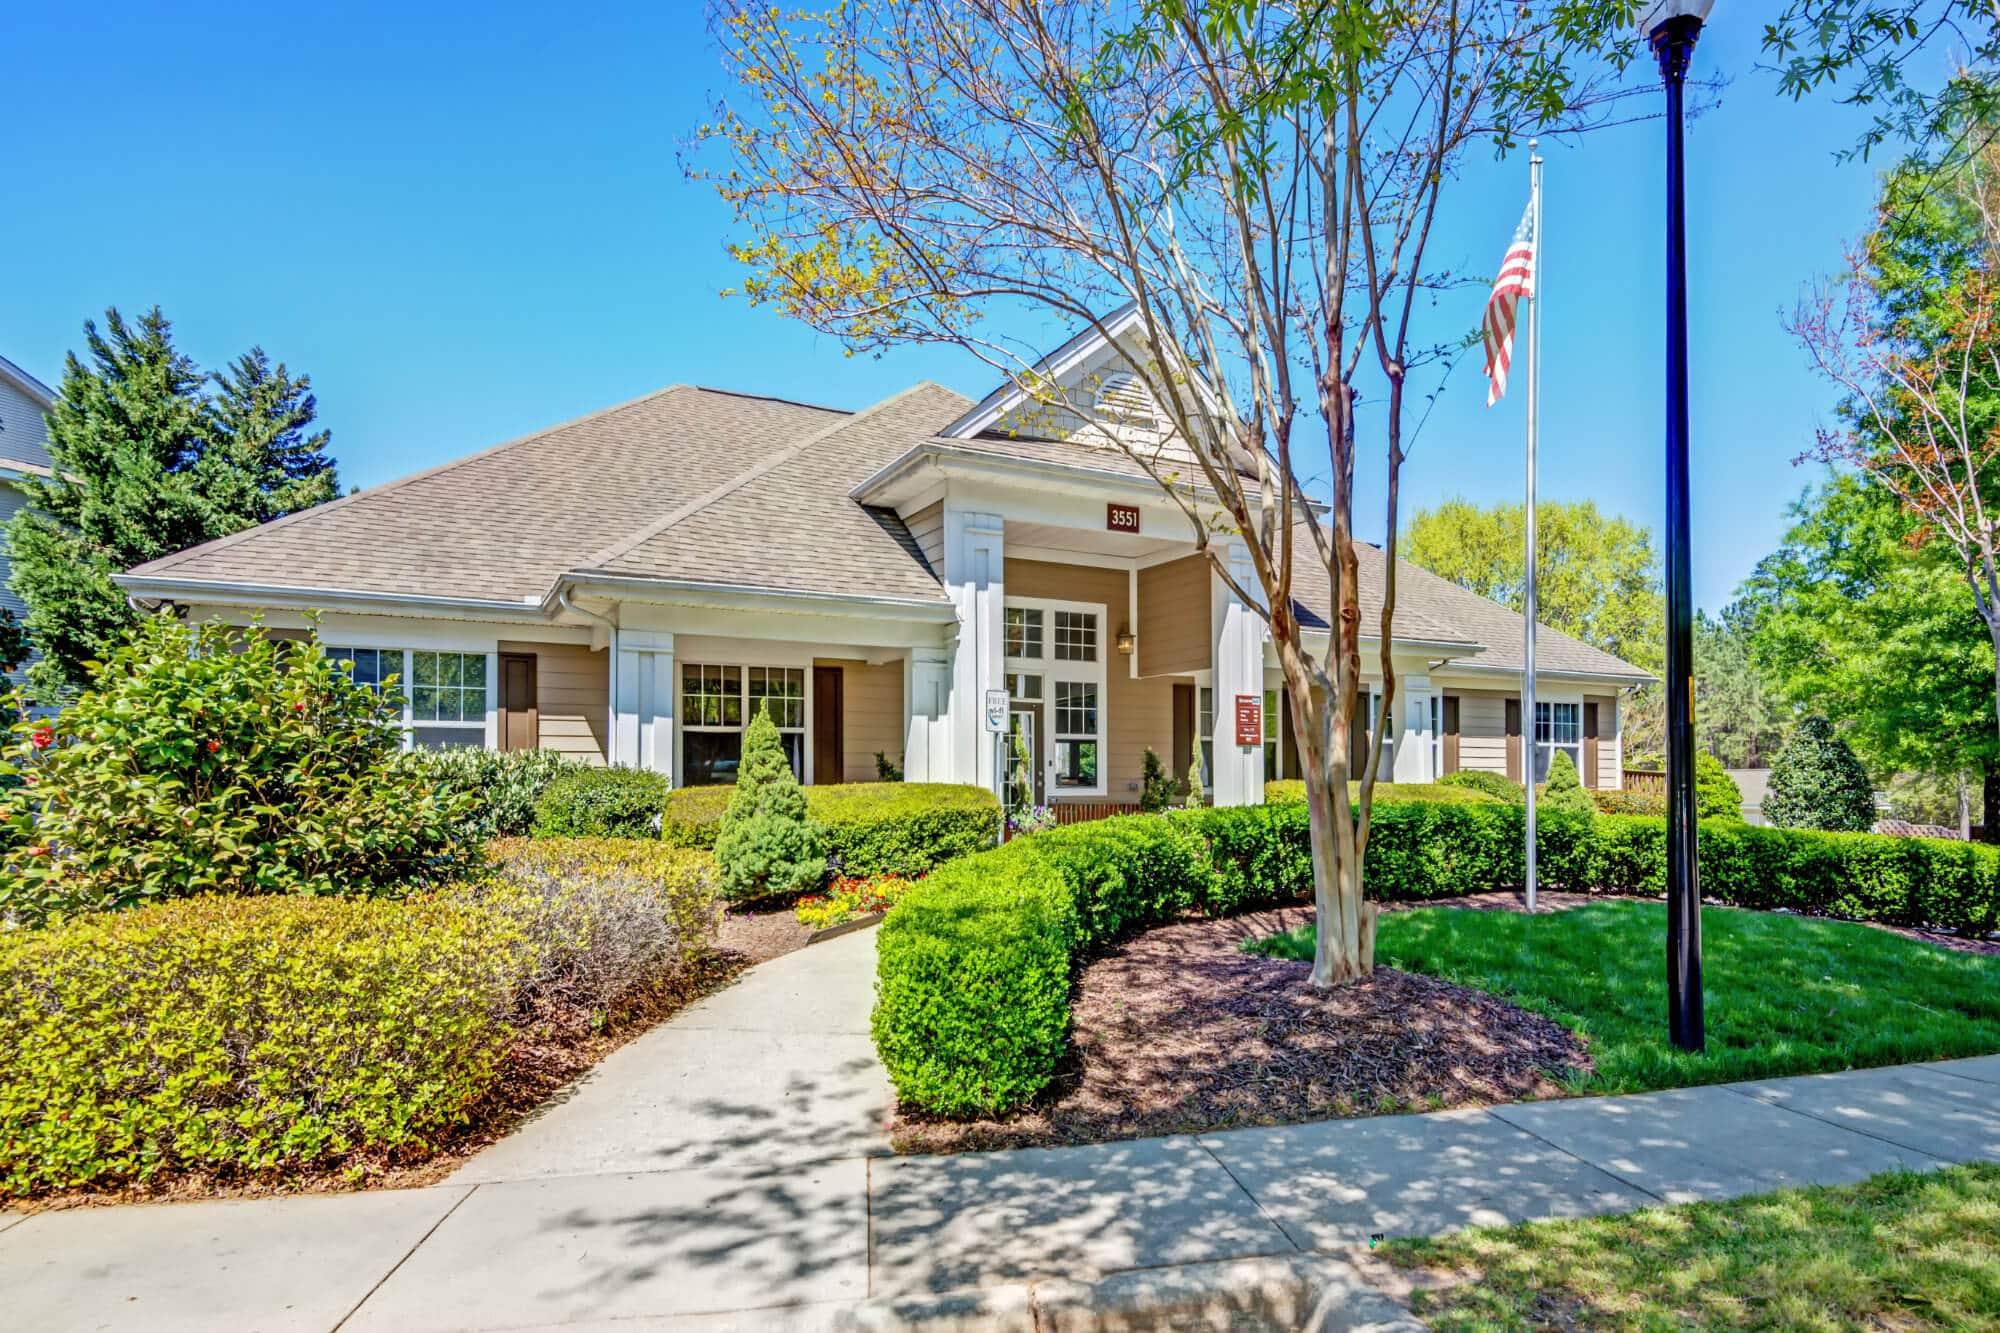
1121,518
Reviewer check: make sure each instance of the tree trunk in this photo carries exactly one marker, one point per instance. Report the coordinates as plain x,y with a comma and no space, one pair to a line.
1344,950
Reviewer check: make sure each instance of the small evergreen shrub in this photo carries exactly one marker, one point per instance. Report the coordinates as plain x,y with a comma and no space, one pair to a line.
766,845
1497,785
1716,795
866,828
1156,789
502,789
208,759
601,803
1196,798
886,769
1564,790
1817,783
246,1034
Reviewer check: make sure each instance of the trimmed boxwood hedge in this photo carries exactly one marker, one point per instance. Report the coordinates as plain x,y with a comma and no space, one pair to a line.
601,803
1294,790
974,966
867,828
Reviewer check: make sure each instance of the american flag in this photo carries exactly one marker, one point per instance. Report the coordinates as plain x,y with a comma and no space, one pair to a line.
1516,281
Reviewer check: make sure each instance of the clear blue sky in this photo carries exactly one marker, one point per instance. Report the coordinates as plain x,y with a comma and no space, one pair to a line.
468,223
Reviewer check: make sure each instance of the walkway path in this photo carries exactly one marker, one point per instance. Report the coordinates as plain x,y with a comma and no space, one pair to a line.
728,1170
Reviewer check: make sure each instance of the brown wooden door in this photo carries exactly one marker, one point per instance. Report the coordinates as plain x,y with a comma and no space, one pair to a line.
520,714
1450,746
829,725
1514,740
1589,744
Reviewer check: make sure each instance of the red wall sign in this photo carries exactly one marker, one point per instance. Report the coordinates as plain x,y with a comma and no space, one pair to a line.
1249,720
1121,518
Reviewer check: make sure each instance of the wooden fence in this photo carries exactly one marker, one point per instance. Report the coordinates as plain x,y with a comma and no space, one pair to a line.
1082,812
1646,781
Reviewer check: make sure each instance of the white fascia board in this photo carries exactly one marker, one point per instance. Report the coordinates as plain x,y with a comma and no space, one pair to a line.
1055,365
218,593
1320,638
735,597
14,469
1618,680
928,462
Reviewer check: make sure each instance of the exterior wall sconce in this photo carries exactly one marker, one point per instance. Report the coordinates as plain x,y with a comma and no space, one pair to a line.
1125,641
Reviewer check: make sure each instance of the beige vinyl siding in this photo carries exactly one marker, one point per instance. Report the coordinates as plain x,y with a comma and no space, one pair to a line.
926,527
1482,728
1138,713
1174,617
23,428
572,697
871,701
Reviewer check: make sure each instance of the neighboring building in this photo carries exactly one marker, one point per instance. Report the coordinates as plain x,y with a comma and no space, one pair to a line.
1755,784
24,452
629,586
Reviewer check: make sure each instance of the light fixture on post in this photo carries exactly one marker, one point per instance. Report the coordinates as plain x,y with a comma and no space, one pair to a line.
1670,27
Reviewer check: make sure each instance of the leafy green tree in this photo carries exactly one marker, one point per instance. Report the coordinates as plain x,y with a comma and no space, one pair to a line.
1716,795
1817,783
150,458
766,845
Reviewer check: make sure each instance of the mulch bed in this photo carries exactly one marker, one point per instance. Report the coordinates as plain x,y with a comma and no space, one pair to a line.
758,934
1178,1030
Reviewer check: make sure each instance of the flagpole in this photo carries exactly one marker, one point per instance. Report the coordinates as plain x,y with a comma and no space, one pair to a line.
1534,423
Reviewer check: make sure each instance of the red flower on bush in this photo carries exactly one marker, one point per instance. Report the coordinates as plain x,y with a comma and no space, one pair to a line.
39,849
44,737
213,746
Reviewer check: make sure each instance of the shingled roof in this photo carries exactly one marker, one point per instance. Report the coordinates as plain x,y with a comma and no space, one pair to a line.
730,491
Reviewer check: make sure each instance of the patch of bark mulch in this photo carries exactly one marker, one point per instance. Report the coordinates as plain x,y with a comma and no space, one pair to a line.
1178,1030
550,1052
760,932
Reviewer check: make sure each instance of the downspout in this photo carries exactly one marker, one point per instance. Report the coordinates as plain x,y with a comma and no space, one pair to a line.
610,668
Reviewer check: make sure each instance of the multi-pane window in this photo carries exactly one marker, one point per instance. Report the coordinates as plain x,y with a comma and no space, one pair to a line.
1205,728
1076,733
369,666
1024,631
1076,636
1558,726
448,687
1024,686
717,702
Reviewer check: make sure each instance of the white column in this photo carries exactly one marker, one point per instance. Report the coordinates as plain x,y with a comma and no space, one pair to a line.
926,720
1238,655
1413,736
975,577
643,732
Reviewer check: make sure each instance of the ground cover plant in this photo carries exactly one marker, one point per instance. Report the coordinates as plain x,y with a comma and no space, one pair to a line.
292,1041
212,759
1900,1251
1786,994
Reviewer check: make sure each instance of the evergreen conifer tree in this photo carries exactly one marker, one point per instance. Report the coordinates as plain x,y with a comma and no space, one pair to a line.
766,845
1156,789
1565,791
1195,799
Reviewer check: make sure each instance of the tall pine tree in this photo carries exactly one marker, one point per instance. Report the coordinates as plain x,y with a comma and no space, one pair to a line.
151,456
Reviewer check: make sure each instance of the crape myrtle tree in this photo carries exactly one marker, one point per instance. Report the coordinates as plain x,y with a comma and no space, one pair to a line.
1256,183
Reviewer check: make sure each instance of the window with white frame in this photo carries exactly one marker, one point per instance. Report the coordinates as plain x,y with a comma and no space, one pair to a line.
1054,654
1274,758
717,702
1558,726
444,693
1205,728
1024,632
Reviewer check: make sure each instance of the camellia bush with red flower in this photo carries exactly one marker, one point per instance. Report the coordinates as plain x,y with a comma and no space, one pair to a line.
212,759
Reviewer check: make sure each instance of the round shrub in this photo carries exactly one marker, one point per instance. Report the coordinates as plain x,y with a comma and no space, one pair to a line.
866,828
766,846
245,1034
503,788
1817,783
1716,795
1497,785
601,803
211,759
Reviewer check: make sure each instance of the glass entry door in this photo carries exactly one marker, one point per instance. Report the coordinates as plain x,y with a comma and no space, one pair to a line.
1024,731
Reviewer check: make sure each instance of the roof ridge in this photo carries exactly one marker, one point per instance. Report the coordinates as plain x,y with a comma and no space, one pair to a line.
167,562
770,462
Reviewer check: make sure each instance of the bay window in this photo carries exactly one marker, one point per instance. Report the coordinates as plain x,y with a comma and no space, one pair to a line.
717,702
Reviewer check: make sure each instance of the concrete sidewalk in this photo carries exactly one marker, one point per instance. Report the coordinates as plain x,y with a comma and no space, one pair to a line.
728,1171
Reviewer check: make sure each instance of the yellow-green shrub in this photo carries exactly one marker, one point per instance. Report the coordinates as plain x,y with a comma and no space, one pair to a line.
1294,789
867,828
603,917
246,1034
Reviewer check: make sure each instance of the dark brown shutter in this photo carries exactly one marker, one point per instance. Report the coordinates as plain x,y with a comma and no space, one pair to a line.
1589,744
1450,734
1514,739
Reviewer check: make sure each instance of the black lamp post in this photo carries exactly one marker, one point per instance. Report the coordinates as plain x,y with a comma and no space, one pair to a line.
1671,27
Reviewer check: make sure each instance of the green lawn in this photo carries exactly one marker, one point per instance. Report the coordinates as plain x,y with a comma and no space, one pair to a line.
1785,994
1900,1251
